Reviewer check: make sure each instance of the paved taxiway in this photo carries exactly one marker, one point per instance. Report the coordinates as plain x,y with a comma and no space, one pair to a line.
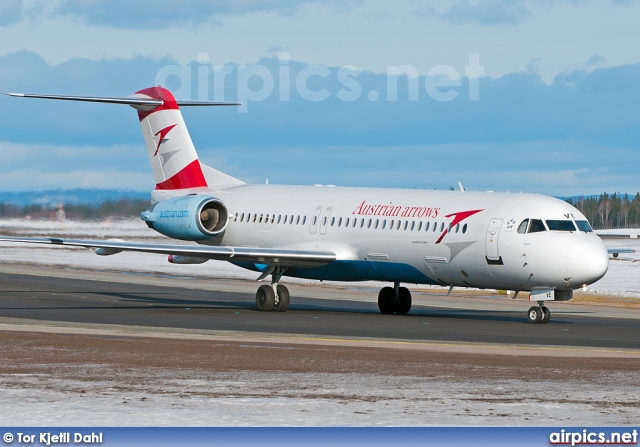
58,295
180,351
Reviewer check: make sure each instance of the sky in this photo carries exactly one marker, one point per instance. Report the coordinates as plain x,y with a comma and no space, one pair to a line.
514,95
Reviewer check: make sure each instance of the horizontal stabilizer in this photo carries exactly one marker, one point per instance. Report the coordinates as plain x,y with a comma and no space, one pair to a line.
133,101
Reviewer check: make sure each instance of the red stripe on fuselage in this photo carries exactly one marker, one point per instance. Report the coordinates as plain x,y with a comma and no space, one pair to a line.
190,177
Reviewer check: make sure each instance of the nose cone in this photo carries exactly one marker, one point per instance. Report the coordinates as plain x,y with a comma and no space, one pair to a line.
587,261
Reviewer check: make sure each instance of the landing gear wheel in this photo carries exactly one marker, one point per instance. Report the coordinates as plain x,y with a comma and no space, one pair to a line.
546,315
404,301
535,314
265,298
387,300
283,299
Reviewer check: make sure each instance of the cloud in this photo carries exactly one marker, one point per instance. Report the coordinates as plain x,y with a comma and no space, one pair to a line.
11,11
484,12
598,105
27,167
157,14
581,129
595,60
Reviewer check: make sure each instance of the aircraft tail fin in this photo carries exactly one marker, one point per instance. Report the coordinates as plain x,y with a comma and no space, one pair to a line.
173,157
171,152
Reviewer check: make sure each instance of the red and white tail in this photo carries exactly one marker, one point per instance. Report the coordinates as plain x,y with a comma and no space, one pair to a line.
171,152
173,158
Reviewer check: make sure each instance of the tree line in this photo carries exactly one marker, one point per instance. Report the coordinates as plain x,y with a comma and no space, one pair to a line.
122,208
610,211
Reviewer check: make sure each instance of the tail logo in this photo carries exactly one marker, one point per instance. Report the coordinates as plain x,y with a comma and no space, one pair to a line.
162,136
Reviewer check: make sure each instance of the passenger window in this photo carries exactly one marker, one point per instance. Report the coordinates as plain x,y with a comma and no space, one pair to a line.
361,223
369,224
384,224
457,228
340,222
279,217
435,227
333,221
346,222
315,219
304,220
419,226
442,227
391,225
355,222
464,228
377,222
298,220
522,229
536,226
426,226
398,225
413,225
324,221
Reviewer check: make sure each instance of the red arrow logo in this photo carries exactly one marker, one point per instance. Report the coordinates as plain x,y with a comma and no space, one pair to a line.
163,133
459,217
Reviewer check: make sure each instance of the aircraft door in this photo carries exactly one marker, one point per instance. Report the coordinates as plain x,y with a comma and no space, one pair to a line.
493,232
324,222
313,226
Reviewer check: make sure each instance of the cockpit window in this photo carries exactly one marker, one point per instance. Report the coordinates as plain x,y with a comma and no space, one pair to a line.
536,226
561,225
522,229
584,226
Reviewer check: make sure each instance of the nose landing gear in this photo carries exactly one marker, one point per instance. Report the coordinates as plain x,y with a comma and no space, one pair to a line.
539,314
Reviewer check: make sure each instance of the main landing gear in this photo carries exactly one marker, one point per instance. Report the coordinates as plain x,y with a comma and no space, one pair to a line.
273,297
539,314
394,299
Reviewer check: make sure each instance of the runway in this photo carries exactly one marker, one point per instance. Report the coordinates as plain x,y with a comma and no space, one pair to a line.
95,348
315,312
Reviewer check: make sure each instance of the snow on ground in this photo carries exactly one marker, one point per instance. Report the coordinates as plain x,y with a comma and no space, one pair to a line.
247,398
623,277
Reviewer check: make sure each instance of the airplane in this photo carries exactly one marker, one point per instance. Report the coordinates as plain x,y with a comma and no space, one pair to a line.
453,238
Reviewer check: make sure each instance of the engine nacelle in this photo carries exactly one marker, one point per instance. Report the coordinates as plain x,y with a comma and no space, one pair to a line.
189,218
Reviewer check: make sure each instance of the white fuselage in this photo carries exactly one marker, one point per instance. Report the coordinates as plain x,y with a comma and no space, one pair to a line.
407,235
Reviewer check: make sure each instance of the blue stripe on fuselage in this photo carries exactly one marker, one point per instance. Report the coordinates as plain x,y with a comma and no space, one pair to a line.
354,271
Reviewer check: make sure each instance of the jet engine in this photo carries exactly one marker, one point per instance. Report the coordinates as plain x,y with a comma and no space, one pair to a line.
189,218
